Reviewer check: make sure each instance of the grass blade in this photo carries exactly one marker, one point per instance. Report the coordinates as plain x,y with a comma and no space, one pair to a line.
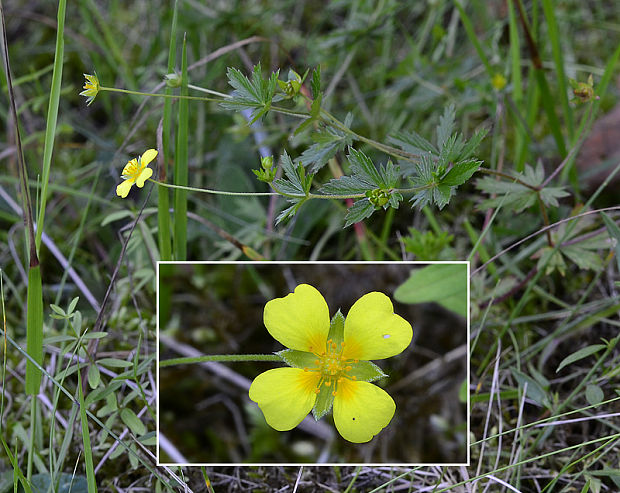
180,170
52,116
163,194
35,330
88,453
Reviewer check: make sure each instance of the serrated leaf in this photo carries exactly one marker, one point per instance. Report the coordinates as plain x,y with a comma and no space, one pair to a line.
132,421
594,394
461,172
363,165
413,143
290,171
549,195
290,211
359,211
472,144
580,354
442,195
584,259
446,126
346,185
328,142
256,93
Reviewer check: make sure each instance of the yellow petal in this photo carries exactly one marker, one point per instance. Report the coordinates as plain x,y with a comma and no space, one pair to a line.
131,168
300,320
123,189
285,396
361,410
144,175
373,331
148,156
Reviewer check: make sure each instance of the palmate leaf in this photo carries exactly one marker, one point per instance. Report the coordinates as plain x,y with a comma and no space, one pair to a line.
328,142
517,196
257,93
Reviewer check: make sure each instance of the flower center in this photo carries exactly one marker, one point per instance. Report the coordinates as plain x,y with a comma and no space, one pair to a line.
332,366
132,169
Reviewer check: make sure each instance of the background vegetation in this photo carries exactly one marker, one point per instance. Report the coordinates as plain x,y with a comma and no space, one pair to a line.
544,278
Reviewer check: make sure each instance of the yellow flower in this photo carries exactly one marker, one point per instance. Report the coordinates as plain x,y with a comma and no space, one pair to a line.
136,171
91,88
498,81
328,362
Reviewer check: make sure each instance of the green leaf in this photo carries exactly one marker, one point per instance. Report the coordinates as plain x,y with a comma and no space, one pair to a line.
580,354
346,185
94,377
366,371
461,172
114,363
358,211
584,259
472,144
324,402
257,93
549,195
132,421
362,165
413,143
446,126
103,392
67,483
290,211
298,359
445,284
316,82
534,390
594,394
614,235
336,328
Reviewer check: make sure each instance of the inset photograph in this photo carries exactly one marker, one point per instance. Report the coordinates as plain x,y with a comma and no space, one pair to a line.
313,363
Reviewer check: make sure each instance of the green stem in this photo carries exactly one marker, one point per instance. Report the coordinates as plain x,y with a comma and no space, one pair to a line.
214,192
155,95
230,358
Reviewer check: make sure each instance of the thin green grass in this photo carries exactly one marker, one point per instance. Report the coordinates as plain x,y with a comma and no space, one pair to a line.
181,165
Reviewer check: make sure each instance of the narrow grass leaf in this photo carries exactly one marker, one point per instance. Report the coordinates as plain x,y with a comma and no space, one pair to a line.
181,167
163,194
52,116
34,321
88,453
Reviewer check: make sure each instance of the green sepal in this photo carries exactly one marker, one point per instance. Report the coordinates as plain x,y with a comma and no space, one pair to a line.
297,359
336,328
324,402
365,371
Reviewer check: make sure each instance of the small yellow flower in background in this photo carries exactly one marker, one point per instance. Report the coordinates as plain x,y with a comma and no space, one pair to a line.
498,81
136,171
329,362
91,88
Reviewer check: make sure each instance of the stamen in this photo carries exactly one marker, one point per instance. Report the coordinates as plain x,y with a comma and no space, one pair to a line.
334,393
317,390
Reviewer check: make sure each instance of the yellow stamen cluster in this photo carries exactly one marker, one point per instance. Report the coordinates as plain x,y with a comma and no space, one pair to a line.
332,366
131,169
